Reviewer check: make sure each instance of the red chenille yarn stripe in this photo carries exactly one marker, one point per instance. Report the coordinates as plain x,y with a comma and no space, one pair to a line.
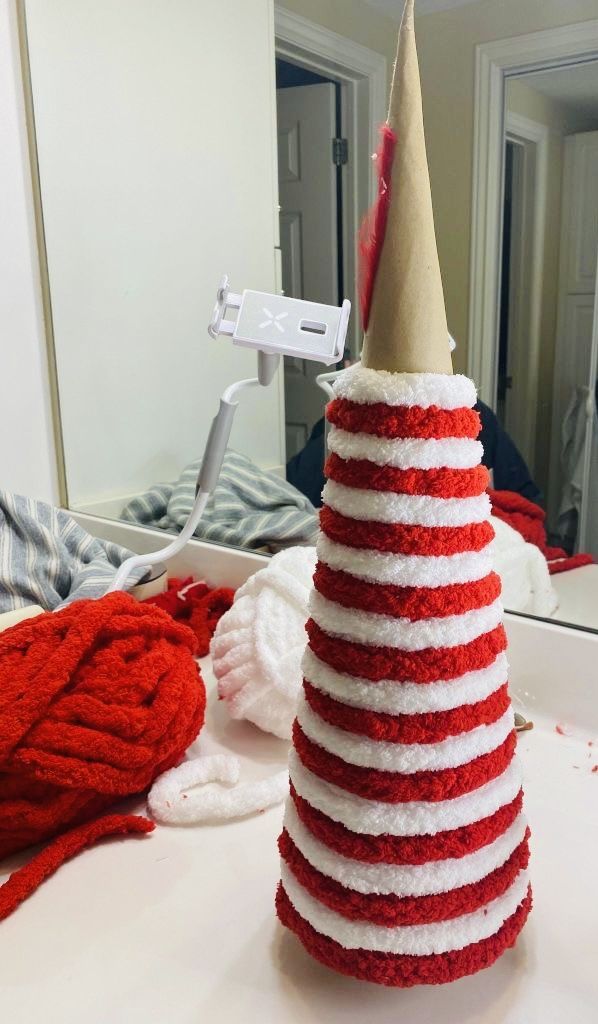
387,849
413,603
394,788
395,911
427,727
427,666
399,538
402,421
435,483
401,970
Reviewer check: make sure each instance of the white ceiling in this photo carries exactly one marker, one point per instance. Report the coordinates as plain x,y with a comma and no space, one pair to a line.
394,8
576,87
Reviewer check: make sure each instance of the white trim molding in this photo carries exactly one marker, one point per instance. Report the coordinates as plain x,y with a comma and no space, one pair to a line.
524,362
495,62
349,61
363,76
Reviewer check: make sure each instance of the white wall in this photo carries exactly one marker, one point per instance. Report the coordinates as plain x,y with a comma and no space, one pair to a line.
155,127
27,458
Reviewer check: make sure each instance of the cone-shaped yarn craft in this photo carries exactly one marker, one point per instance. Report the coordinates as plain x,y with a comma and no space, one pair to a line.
404,848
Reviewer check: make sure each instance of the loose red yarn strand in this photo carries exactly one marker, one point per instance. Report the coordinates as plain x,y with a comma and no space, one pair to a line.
23,882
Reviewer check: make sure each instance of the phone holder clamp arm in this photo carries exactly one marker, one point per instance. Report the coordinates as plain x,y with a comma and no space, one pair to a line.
274,325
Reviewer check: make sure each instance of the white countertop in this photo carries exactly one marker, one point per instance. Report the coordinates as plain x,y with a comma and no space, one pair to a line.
179,927
577,592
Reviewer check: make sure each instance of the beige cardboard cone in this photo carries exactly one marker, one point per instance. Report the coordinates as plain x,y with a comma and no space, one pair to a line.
407,329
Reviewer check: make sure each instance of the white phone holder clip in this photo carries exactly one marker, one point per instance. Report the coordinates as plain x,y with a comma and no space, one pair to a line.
275,326
280,325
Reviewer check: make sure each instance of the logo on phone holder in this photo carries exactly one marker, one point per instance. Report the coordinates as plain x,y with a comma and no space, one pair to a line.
280,325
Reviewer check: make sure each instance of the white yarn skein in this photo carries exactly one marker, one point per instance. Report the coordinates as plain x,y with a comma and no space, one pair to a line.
258,644
179,796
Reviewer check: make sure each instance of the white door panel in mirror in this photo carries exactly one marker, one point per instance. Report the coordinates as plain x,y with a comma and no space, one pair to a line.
308,228
291,250
581,255
289,153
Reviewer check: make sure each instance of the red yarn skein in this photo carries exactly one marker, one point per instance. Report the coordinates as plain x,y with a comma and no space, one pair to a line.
96,701
197,605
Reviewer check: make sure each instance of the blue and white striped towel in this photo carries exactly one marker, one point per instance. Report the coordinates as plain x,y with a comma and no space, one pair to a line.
250,507
47,559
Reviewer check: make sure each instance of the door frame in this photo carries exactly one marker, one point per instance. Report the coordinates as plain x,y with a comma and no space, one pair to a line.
363,77
525,296
494,63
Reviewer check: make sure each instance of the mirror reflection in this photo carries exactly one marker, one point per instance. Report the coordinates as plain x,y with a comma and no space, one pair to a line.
547,332
178,142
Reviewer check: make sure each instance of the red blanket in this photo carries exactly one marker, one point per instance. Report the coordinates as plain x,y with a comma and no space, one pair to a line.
529,520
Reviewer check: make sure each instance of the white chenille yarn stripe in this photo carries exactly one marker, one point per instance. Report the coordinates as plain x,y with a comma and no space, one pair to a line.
409,509
412,940
366,387
385,631
404,758
392,698
407,453
399,879
415,818
406,570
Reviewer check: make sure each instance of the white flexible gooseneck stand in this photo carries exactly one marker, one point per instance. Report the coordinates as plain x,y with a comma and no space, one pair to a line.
274,325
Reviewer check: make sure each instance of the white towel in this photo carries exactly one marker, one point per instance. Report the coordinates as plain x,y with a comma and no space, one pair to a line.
523,571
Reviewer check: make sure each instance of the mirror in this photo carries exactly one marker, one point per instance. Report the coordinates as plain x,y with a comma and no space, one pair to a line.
547,384
180,141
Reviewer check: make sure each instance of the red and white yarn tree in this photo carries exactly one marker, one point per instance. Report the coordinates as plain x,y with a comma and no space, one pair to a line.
404,848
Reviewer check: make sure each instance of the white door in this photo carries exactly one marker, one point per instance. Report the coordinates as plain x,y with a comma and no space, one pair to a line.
577,284
308,232
521,383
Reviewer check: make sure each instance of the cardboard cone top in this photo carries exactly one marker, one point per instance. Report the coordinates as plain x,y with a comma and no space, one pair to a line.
407,329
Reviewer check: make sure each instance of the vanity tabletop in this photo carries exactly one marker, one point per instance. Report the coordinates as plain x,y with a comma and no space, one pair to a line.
577,593
179,927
